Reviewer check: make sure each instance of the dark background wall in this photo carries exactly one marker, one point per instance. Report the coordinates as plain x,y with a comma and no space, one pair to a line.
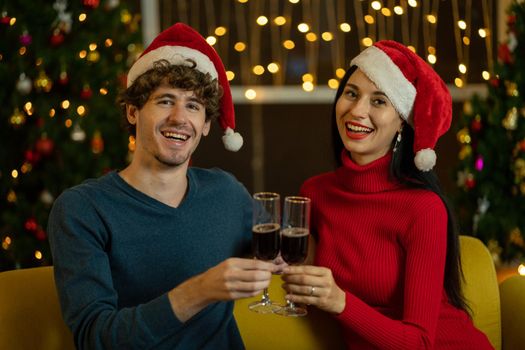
297,145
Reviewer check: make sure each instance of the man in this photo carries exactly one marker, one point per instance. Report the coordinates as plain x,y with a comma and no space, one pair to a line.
143,256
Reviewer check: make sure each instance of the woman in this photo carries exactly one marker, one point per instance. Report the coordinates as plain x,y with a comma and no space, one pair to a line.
387,251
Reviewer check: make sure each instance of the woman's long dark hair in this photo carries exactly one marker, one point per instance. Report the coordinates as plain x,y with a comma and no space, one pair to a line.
403,169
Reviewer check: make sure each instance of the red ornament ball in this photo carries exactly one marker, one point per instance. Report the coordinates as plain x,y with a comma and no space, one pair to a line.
470,183
31,157
91,3
56,38
522,145
86,93
44,146
476,125
5,20
31,225
40,234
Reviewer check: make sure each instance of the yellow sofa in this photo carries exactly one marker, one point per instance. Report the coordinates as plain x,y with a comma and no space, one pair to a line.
30,313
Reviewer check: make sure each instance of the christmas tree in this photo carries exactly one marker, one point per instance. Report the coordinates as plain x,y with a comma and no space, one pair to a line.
491,178
61,66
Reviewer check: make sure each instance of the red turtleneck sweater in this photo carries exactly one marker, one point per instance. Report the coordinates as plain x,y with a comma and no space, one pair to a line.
386,246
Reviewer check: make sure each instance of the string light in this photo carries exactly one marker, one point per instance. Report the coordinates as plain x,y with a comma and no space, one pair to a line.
308,77
81,110
466,40
311,37
327,36
308,86
521,270
398,10
458,82
258,70
38,254
108,42
64,104
367,41
462,68
211,40
462,25
369,19
82,17
273,67
230,75
262,20
340,73
220,31
376,5
412,3
303,27
482,32
431,19
333,83
485,75
288,44
386,12
279,20
345,27
14,173
239,46
250,94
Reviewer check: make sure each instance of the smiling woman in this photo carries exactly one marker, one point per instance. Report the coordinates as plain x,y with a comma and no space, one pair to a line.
366,119
385,247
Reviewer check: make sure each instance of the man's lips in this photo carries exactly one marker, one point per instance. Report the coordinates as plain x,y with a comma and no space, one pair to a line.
177,136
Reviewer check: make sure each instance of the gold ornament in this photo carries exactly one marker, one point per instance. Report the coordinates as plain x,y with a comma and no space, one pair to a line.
519,169
93,56
17,119
510,122
43,83
464,152
463,136
125,16
512,88
516,238
467,108
97,143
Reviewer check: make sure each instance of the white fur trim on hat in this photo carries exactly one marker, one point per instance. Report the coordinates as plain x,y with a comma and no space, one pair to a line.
232,140
425,159
175,55
387,76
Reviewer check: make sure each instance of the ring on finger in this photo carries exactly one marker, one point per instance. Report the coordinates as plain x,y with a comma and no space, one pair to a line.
312,290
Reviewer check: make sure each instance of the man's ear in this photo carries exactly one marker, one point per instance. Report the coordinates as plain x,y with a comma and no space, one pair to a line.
206,128
132,113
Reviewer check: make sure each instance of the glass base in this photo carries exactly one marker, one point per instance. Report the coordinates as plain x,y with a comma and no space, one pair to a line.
292,310
264,307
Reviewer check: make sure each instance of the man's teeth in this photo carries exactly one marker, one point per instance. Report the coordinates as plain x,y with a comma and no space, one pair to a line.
356,128
173,135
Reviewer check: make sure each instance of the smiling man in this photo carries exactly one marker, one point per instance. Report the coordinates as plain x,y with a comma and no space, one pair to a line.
148,257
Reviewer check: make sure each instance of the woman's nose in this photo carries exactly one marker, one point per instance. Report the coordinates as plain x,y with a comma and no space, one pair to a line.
360,108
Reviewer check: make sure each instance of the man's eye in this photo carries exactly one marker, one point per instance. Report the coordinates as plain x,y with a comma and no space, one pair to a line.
194,106
166,102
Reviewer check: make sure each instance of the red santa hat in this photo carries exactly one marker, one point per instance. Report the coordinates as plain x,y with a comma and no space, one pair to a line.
416,91
179,43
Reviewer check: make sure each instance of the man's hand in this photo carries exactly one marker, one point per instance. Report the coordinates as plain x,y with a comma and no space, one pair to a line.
232,279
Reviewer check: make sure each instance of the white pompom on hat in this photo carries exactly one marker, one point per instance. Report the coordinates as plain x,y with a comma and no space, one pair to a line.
416,91
179,43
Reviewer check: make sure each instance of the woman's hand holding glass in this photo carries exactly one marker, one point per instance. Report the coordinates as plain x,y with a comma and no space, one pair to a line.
295,234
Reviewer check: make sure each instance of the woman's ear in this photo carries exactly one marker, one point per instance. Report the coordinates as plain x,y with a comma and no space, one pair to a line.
132,114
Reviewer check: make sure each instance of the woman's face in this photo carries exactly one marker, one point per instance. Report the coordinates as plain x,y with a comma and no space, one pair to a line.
366,119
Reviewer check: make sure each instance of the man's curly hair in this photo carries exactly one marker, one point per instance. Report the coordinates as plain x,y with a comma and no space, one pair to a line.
183,77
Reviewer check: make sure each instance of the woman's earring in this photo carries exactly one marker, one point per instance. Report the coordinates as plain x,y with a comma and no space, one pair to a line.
398,140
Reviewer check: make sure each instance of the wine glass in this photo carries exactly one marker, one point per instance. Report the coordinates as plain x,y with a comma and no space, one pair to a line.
266,239
294,241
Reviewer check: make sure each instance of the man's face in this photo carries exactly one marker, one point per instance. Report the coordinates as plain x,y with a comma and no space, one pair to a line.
169,127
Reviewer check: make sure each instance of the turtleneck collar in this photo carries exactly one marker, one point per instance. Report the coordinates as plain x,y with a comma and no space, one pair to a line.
370,178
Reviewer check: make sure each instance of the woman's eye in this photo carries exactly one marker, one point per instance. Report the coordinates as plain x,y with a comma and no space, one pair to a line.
351,93
379,102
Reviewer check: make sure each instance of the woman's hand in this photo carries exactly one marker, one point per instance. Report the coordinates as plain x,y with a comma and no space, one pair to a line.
313,285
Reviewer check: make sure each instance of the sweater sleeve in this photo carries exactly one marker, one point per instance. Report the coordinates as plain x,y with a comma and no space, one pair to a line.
425,247
88,298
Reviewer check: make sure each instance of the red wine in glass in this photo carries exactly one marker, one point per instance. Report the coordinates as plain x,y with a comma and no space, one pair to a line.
265,241
294,241
294,245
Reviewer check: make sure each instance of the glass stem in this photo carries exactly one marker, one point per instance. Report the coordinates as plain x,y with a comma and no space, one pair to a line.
265,299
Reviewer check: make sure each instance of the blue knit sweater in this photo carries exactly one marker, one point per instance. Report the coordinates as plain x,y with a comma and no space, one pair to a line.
117,252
